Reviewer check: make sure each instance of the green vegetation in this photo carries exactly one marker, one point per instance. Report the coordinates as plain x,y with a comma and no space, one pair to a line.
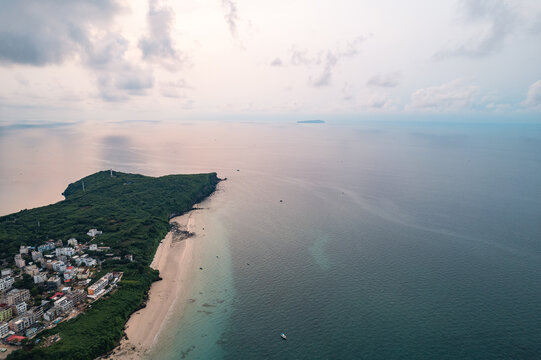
133,213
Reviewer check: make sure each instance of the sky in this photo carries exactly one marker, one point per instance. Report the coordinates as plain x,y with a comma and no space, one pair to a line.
65,60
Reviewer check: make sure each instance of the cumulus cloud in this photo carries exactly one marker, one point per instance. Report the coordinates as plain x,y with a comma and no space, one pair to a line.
46,32
452,96
117,77
157,45
49,31
385,81
533,99
231,15
495,21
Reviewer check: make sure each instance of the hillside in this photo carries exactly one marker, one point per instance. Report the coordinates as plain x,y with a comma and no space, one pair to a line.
133,212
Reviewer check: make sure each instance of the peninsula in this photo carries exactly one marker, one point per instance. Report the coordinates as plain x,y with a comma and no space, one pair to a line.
73,272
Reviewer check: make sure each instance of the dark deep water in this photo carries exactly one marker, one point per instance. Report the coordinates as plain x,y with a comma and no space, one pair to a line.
394,240
400,242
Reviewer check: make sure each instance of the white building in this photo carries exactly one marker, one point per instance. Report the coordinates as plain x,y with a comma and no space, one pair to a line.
50,314
58,265
4,329
89,262
66,251
72,242
93,247
63,304
40,278
6,283
98,286
93,232
20,308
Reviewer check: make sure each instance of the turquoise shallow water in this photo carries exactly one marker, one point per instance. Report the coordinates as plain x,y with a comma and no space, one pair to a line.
393,240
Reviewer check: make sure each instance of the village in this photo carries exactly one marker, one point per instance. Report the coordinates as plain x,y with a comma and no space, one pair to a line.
52,283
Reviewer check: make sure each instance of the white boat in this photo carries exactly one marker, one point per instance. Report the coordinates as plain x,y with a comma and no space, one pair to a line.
283,336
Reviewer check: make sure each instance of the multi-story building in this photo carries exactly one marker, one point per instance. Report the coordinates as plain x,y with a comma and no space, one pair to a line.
46,247
31,270
4,329
16,296
76,296
5,312
23,250
6,283
35,314
6,272
89,261
72,242
99,285
19,261
58,266
51,314
66,251
93,247
63,304
19,309
19,323
83,274
53,283
36,255
40,278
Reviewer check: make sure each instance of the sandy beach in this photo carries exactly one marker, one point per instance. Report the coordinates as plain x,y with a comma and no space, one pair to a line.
175,261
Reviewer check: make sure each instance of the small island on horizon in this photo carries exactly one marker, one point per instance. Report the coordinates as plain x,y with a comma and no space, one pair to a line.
310,122
76,270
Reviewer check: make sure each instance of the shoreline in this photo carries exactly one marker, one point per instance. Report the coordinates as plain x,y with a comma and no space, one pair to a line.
174,258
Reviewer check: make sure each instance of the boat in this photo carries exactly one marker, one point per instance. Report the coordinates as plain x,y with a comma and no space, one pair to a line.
283,336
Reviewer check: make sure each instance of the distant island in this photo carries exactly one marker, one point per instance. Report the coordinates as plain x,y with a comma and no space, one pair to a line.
73,272
310,122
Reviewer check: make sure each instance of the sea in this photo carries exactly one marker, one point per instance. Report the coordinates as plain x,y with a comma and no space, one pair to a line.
359,239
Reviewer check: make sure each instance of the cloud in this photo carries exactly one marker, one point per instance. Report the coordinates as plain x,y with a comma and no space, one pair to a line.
46,32
174,89
231,15
117,77
157,45
378,102
533,99
329,59
277,62
452,96
50,31
385,81
497,22
324,79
